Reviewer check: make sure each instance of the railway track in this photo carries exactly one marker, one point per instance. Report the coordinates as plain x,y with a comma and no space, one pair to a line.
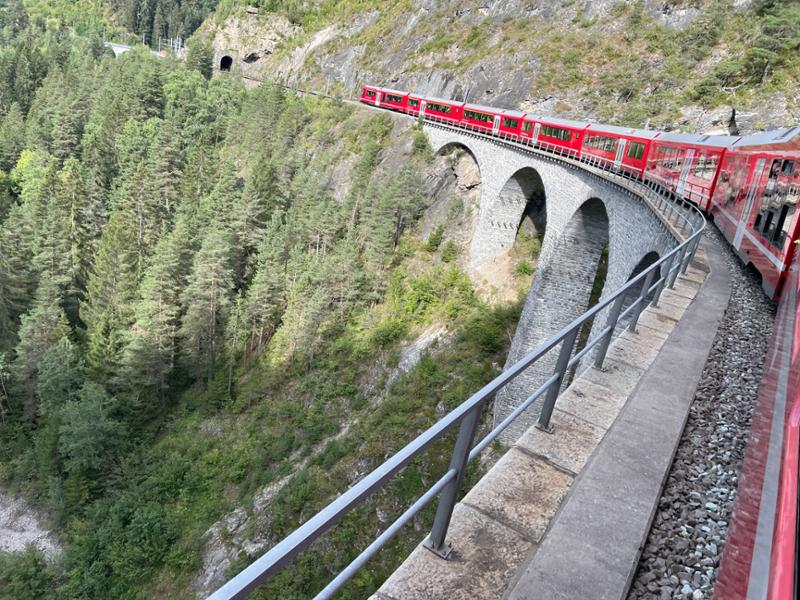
683,549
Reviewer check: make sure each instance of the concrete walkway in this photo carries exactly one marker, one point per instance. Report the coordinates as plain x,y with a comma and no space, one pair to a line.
565,515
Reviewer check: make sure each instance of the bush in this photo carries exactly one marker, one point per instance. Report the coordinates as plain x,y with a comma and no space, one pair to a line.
450,252
524,268
388,332
435,239
25,575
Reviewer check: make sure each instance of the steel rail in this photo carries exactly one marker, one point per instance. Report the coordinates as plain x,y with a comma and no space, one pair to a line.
658,198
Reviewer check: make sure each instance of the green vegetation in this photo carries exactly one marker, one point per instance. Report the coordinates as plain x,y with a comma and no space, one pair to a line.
190,310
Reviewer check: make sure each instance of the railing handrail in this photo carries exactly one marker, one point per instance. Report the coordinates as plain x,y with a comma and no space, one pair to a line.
467,412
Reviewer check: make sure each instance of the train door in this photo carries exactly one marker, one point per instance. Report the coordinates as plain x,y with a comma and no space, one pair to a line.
620,153
686,167
422,106
496,125
378,98
752,189
536,129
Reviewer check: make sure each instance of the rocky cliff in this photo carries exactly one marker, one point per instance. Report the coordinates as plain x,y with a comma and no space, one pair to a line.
634,63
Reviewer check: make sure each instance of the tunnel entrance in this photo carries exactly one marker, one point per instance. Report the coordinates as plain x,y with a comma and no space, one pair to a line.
226,63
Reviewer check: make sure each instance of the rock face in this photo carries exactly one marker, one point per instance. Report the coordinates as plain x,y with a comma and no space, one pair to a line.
20,527
430,48
247,39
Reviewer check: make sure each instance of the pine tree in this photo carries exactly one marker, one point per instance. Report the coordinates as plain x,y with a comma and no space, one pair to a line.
60,376
113,282
266,297
12,137
200,57
85,220
206,301
43,326
104,348
217,208
150,351
89,435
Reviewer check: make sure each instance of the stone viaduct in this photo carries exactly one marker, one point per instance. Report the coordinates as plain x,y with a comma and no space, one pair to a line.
580,214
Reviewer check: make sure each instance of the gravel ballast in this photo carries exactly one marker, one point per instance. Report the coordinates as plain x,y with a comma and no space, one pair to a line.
687,537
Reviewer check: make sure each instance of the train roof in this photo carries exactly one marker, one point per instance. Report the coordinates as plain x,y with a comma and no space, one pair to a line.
560,121
647,134
442,100
715,141
391,91
500,111
787,139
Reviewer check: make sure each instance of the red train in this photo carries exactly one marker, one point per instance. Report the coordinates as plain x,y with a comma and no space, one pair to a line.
760,557
749,185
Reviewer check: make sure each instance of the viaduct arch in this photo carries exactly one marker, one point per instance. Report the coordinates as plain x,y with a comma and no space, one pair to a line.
579,214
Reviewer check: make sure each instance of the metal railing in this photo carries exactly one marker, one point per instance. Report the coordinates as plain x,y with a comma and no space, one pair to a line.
686,221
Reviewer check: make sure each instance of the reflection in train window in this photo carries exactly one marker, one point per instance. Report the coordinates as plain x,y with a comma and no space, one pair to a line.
778,202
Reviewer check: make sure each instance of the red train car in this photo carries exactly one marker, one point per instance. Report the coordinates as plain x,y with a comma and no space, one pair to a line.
371,95
552,132
687,164
760,558
494,121
623,149
443,110
755,201
394,99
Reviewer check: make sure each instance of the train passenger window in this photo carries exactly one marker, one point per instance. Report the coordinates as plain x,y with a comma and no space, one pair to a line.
636,150
442,108
556,132
370,93
478,116
783,202
413,103
601,142
393,98
527,126
509,122
705,167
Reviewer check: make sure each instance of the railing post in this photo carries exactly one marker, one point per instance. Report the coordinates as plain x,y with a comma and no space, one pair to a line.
665,267
640,302
436,540
690,256
611,322
677,270
561,369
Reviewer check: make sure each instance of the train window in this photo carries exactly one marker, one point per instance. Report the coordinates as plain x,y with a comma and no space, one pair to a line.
393,98
413,103
509,122
370,93
636,150
478,116
601,142
669,158
442,108
527,126
705,167
784,203
556,132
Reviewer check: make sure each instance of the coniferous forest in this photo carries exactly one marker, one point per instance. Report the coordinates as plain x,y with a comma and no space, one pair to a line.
203,291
